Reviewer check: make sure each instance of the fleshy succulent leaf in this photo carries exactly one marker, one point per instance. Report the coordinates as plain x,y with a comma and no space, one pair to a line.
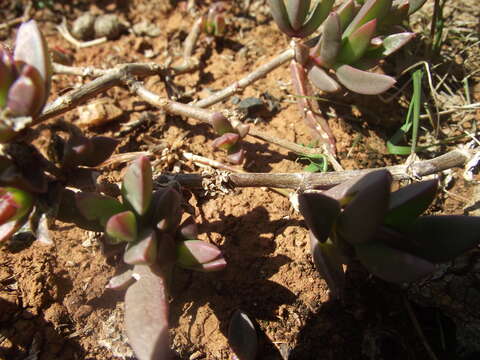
242,336
331,39
315,18
98,207
14,204
24,94
346,12
137,185
6,80
221,124
409,202
372,9
167,209
391,264
143,252
199,255
297,11
146,315
122,226
355,45
236,155
395,41
225,141
280,16
189,229
10,228
328,262
103,148
121,281
321,80
320,213
367,208
442,238
364,82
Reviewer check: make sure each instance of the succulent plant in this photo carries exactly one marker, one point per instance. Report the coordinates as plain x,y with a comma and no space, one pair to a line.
25,79
242,337
360,219
15,207
150,223
230,136
214,23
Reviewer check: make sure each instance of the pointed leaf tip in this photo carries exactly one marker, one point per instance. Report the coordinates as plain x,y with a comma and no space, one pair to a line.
364,82
242,336
122,226
137,185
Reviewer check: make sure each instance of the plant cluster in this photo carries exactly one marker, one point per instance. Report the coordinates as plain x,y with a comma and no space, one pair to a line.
354,38
361,219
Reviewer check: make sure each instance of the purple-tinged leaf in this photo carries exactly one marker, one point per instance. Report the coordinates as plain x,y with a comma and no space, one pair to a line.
331,39
24,95
355,45
197,255
221,124
143,252
442,238
31,48
166,252
363,82
122,226
146,315
189,229
242,336
372,9
242,130
280,16
98,207
69,212
415,5
137,185
297,11
346,12
328,262
236,155
321,80
10,228
76,150
121,281
167,209
367,207
320,213
409,202
391,264
14,204
316,17
225,141
103,148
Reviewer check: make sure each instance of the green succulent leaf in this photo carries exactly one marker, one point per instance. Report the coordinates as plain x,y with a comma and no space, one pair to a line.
297,11
98,207
346,12
442,238
328,261
391,264
316,17
122,226
225,141
320,213
14,204
137,185
409,202
367,207
242,336
143,252
280,16
372,9
364,82
6,80
355,45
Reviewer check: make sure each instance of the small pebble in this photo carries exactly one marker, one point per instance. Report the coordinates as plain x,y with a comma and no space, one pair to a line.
108,26
82,28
